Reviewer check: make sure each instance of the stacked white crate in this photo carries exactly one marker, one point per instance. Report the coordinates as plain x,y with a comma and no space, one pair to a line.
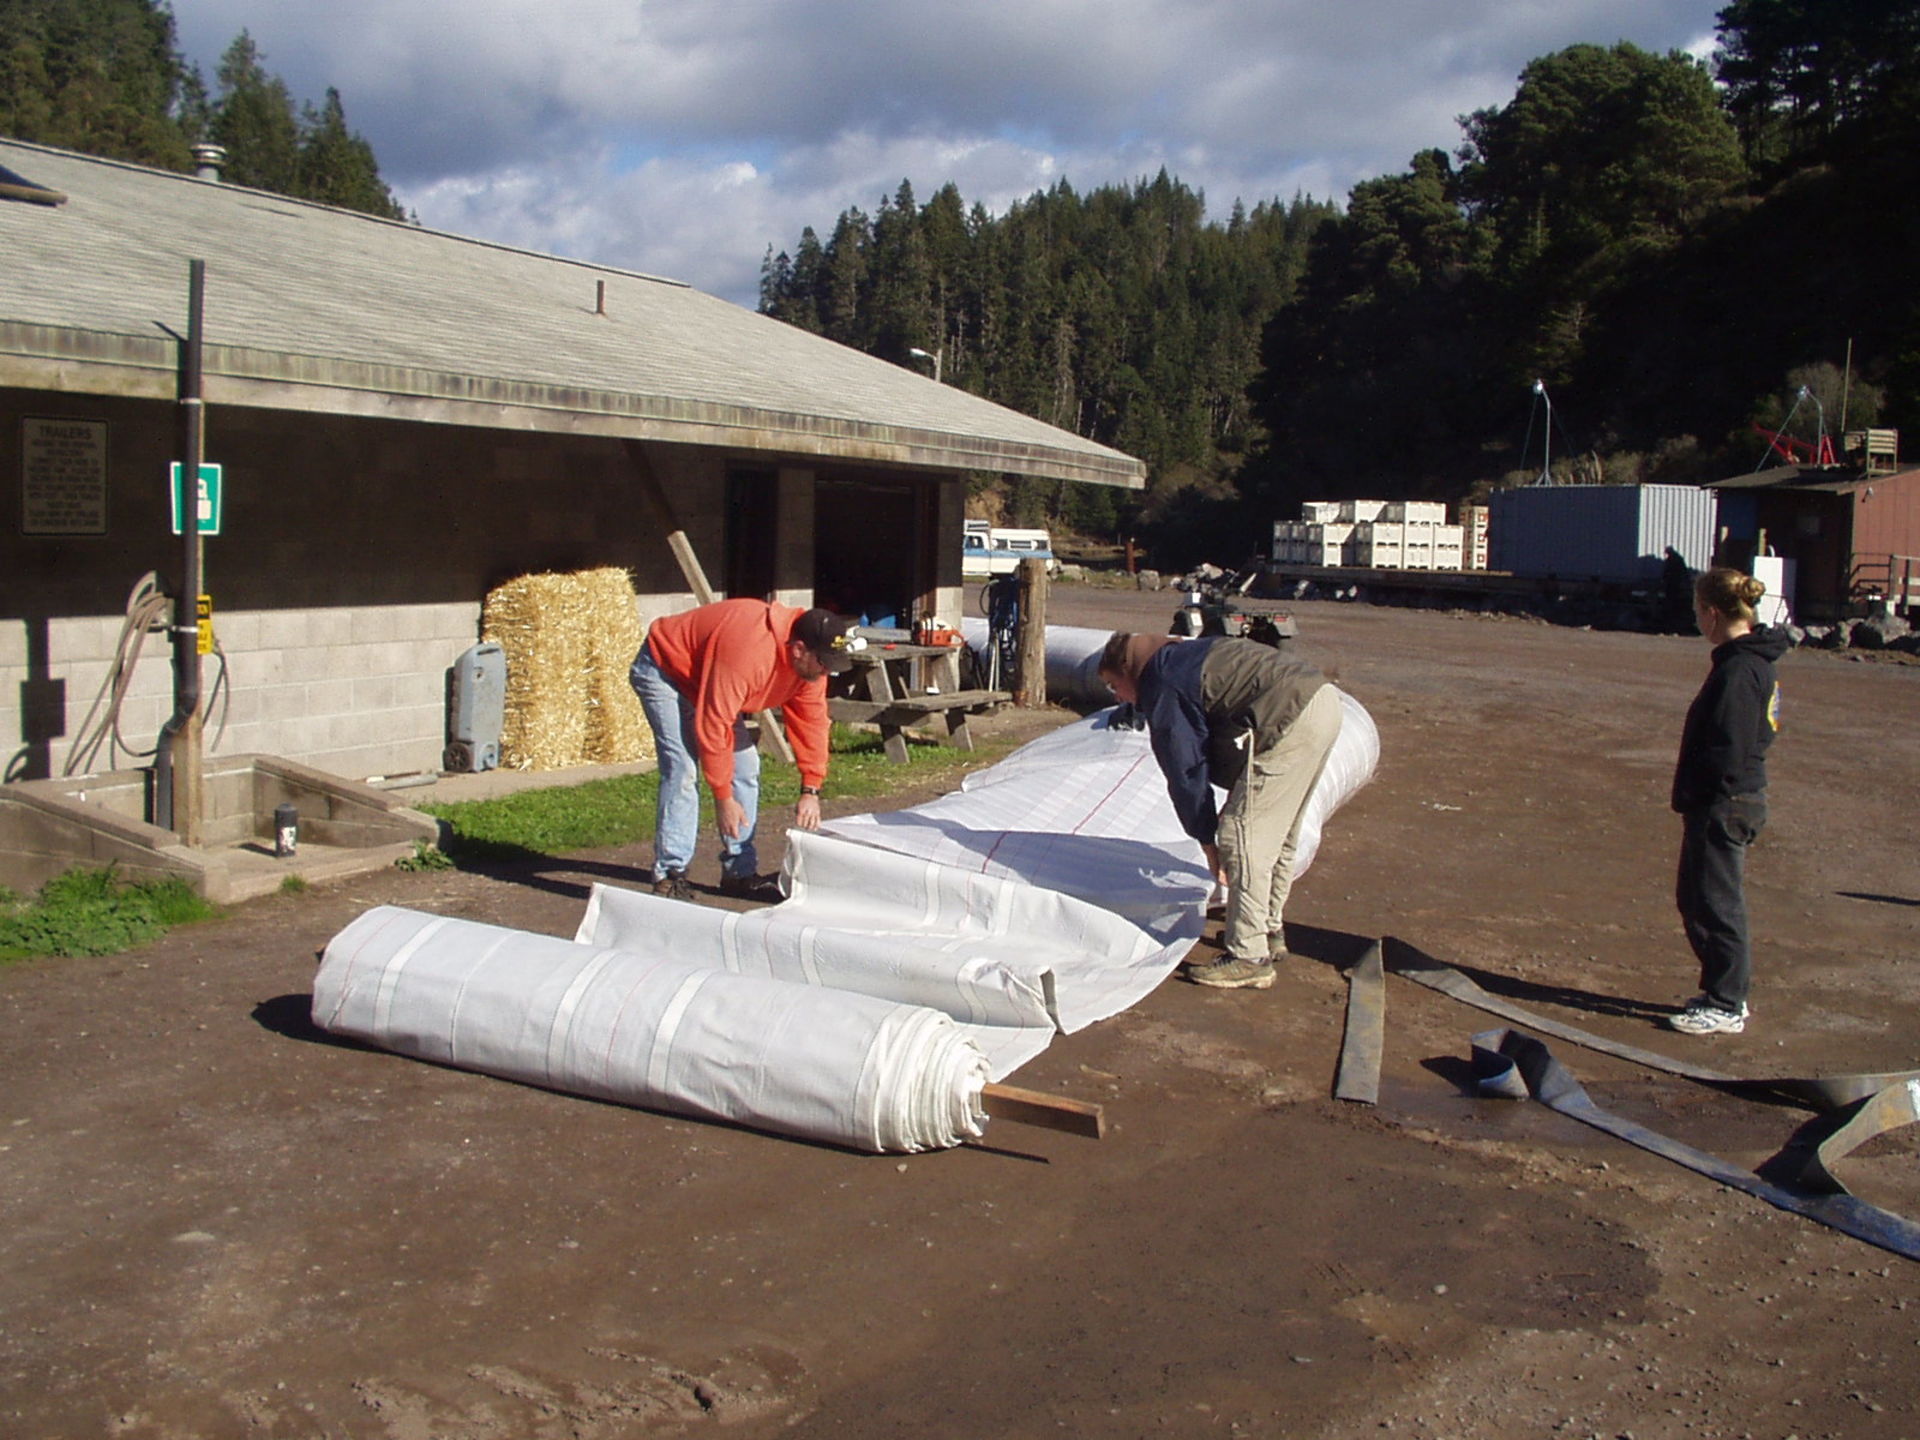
1415,512
1360,512
1449,547
1379,545
1416,519
1324,544
1473,522
1284,542
1320,512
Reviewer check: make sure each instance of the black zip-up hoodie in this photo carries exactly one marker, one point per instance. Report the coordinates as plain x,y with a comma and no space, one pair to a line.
1723,748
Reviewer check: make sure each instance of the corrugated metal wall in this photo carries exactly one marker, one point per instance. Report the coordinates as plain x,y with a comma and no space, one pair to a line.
1601,532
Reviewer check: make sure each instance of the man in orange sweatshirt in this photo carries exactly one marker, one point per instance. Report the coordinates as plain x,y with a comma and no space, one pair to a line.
699,674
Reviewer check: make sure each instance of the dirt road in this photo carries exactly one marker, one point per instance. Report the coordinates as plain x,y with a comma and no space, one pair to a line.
215,1223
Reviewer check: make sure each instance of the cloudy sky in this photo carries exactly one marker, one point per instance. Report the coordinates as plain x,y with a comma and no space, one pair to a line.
683,137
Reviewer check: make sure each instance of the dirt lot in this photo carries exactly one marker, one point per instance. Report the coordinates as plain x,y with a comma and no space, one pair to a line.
214,1223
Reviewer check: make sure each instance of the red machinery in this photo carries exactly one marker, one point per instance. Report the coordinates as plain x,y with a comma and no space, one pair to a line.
1796,451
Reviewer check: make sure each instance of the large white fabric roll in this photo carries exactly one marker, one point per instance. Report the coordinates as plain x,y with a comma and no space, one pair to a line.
642,1029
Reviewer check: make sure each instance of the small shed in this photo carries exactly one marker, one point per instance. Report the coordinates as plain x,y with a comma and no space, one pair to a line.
1852,538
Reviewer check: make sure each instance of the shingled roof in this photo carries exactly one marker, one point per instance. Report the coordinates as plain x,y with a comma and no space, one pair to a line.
325,310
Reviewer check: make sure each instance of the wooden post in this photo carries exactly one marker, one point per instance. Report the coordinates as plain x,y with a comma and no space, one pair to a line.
772,738
1030,640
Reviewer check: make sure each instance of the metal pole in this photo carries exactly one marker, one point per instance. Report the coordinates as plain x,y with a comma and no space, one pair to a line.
178,765
1546,442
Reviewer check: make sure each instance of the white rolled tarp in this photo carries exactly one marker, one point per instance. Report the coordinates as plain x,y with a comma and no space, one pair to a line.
646,1030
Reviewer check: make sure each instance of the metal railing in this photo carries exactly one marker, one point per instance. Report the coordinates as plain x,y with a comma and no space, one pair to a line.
1890,579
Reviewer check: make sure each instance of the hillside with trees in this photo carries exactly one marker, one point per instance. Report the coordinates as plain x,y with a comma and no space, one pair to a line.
1119,314
105,77
1672,249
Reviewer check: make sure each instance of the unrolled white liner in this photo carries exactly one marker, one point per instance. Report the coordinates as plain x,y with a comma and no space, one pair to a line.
921,953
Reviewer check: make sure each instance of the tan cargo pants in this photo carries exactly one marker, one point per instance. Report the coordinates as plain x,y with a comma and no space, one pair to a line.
1260,826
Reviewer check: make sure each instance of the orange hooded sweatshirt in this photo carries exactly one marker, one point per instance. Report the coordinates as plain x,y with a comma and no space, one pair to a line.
730,659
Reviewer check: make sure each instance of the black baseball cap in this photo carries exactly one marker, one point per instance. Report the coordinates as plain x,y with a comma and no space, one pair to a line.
830,637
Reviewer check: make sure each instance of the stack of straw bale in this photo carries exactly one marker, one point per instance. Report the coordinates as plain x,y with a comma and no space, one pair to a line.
569,640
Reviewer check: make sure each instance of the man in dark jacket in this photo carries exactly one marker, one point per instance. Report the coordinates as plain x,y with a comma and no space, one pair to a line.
1238,715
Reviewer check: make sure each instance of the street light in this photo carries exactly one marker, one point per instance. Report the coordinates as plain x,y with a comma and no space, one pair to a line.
1546,443
933,355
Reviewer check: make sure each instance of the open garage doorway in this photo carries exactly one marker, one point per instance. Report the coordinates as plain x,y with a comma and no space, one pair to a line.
871,546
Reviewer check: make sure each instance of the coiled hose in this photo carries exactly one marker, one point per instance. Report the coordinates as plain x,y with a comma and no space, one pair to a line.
147,606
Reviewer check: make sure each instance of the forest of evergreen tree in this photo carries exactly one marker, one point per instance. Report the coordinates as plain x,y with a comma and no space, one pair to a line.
1673,258
105,77
1674,250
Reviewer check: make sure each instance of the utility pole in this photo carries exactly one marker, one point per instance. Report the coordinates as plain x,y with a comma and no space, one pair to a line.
179,761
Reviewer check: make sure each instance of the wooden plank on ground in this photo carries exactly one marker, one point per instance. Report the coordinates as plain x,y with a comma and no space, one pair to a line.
1049,1112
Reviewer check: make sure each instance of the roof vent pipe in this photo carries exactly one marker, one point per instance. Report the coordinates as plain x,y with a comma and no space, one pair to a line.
207,160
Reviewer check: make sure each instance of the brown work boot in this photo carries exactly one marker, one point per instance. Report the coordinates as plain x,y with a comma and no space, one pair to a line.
1229,973
673,885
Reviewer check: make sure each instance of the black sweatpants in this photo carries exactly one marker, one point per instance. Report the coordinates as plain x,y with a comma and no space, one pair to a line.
1711,896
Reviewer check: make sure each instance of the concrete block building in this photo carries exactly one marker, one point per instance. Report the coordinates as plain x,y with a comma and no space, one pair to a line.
403,420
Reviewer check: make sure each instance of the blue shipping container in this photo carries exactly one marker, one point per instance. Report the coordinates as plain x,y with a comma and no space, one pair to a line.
1617,533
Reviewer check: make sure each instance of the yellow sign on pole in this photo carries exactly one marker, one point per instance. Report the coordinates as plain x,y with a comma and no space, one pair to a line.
203,611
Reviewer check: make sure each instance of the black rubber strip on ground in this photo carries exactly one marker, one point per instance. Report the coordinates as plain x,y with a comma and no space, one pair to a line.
1824,1092
1499,1054
1800,1179
1360,1051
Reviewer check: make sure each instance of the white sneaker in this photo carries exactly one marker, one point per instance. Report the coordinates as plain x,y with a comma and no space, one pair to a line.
1702,1017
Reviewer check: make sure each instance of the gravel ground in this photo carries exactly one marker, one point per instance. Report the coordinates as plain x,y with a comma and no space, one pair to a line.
217,1223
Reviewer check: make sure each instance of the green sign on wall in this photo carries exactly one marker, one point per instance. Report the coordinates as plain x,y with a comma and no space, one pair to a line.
207,503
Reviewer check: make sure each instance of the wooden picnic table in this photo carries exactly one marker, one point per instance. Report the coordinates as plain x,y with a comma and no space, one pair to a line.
896,685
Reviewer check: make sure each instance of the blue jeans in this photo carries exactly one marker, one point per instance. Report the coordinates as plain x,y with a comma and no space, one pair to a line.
676,831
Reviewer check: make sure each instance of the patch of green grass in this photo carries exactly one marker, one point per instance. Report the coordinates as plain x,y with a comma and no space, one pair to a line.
294,885
94,912
603,814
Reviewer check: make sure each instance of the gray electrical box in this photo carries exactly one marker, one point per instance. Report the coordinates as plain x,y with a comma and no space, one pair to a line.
476,709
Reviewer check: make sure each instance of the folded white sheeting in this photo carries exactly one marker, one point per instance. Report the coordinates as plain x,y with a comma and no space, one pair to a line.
642,1029
987,950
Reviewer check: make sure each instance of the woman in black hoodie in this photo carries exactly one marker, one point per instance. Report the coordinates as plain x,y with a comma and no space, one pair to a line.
1720,792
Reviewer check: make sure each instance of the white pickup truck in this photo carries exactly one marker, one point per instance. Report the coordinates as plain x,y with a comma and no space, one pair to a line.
988,550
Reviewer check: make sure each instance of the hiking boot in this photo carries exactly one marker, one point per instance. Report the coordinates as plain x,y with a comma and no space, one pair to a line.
762,888
673,885
1231,974
1277,950
1701,1016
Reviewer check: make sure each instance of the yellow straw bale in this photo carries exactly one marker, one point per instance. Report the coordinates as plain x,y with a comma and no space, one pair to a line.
568,641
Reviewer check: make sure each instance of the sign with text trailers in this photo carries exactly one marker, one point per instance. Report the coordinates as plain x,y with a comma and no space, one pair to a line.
206,506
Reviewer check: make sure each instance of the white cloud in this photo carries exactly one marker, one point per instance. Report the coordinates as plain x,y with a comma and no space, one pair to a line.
682,137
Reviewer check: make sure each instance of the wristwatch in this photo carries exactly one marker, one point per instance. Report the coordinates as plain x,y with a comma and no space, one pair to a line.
813,790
